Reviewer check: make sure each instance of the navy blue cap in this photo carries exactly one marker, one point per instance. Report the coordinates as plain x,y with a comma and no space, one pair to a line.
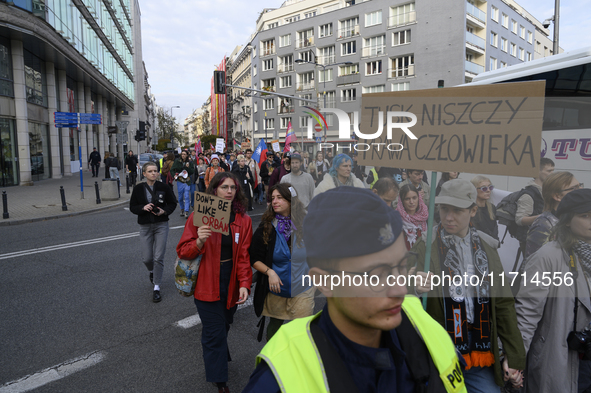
577,201
349,222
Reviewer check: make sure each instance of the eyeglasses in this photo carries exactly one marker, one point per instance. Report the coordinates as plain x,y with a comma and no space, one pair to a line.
575,187
383,272
485,189
225,188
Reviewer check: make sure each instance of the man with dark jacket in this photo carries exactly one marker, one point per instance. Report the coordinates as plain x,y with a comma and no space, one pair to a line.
95,161
131,167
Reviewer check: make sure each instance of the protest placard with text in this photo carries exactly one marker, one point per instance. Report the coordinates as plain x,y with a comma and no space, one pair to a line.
213,211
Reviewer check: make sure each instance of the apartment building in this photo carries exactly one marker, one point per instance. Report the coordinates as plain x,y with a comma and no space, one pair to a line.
66,56
333,52
240,73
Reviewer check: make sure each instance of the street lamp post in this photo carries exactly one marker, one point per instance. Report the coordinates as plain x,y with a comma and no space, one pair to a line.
315,63
172,130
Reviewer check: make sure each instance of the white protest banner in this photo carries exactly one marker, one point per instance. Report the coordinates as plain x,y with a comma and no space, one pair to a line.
492,129
213,211
275,144
219,145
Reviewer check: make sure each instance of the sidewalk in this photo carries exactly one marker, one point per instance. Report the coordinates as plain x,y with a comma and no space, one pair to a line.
42,201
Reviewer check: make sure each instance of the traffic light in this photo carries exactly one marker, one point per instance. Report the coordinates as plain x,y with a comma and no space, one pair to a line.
219,82
137,136
141,135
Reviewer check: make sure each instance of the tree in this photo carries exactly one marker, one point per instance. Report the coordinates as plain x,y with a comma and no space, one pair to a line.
206,140
167,126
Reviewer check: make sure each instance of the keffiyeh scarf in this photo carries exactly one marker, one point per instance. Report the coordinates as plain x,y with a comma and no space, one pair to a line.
478,352
583,251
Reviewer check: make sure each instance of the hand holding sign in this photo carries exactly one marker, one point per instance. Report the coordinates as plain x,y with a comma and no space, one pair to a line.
213,213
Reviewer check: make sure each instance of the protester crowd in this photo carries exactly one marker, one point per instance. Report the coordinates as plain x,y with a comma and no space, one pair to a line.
522,330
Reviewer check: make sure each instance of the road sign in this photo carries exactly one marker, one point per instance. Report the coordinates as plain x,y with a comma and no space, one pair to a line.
90,118
65,116
318,127
121,124
318,139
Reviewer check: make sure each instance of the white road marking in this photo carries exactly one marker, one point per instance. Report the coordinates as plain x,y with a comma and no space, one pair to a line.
73,244
54,373
194,320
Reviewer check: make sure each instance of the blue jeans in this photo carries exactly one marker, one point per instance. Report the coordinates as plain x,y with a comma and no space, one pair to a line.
192,194
481,380
184,195
261,192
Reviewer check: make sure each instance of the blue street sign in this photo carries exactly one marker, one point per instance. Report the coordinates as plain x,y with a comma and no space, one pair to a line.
66,125
319,139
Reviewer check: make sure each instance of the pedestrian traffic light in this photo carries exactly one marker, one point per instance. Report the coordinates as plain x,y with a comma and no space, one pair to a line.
219,82
141,135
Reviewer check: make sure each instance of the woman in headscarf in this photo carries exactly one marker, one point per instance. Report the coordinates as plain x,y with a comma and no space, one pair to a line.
340,174
414,214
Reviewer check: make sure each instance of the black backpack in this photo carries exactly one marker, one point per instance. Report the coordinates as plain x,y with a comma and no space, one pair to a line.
507,209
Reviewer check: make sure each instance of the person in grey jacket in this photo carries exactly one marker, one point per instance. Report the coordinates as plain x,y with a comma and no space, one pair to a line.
545,313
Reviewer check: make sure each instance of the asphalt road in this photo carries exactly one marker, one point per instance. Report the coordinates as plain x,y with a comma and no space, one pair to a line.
77,313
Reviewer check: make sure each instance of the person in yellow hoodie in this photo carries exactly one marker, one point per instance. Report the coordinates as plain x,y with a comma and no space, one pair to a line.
370,336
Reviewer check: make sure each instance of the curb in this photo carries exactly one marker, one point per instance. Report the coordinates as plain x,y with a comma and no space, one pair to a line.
28,220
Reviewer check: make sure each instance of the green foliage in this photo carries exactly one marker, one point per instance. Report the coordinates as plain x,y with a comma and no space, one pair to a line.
167,125
162,145
206,140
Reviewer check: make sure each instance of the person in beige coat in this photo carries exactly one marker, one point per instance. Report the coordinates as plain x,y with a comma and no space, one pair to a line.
545,313
340,174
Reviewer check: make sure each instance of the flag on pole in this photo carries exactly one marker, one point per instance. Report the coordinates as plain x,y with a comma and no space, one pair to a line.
237,145
290,136
259,151
198,148
212,147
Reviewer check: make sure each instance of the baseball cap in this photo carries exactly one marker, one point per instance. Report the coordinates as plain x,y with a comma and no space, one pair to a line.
296,157
457,192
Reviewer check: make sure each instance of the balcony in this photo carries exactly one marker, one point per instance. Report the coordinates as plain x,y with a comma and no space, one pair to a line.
473,68
401,72
303,43
270,89
305,86
325,60
348,99
347,32
476,15
267,51
402,19
285,109
283,68
475,43
330,103
373,51
348,79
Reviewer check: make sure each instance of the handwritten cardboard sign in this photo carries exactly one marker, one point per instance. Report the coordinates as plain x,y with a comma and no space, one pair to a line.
492,129
213,211
219,145
275,145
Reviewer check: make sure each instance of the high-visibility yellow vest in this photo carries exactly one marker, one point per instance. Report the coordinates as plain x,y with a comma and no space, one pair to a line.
161,162
294,359
375,177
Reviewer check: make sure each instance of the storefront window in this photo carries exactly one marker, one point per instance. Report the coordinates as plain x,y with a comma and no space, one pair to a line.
40,153
8,158
6,86
35,82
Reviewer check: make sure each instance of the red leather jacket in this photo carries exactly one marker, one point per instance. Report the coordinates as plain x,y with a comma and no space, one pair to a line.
208,280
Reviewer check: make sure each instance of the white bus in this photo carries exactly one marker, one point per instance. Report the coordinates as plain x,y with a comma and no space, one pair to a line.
566,130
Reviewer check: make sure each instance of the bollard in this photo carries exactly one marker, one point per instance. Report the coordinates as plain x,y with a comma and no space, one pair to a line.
63,194
127,184
98,196
119,187
4,204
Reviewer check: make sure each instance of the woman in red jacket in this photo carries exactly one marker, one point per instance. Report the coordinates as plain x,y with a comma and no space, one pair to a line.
225,275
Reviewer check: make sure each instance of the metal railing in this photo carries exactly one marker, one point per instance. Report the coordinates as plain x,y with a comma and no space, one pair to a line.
475,12
350,31
304,42
475,40
267,51
401,72
402,19
282,68
305,86
348,79
474,68
373,51
326,60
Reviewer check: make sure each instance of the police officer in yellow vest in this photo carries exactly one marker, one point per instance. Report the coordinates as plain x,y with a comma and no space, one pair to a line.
370,336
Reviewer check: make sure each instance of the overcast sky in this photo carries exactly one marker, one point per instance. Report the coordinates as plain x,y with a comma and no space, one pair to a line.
183,40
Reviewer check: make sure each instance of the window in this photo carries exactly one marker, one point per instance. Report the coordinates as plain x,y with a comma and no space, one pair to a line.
6,84
373,18
503,45
401,37
403,66
513,26
285,81
285,122
348,95
326,55
521,54
329,117
348,48
513,48
402,15
254,70
269,124
306,81
292,19
268,104
529,58
492,64
256,125
285,64
538,47
305,97
330,101
268,84
349,69
35,84
400,86
285,40
373,67
522,32
349,27
267,48
325,74
505,21
305,39
272,25
306,56
374,89
309,14
267,64
503,64
325,30
256,107
494,13
374,46
304,121
493,38
530,36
